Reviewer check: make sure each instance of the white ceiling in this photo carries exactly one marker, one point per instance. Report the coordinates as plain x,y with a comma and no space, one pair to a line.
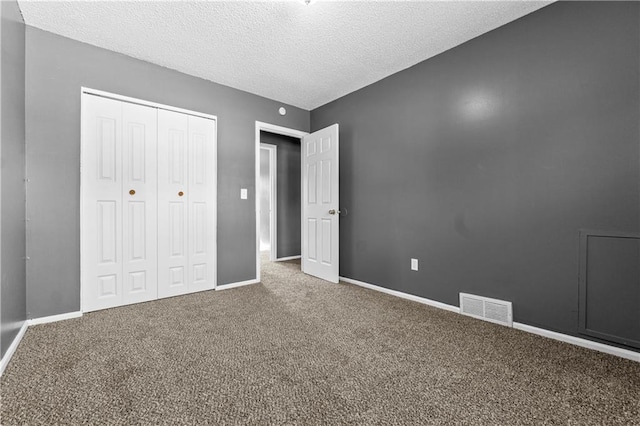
284,50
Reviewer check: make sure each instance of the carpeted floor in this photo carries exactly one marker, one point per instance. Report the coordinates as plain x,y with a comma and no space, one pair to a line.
296,350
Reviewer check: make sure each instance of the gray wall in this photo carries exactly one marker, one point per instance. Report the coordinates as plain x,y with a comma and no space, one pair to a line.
13,284
56,69
484,162
288,187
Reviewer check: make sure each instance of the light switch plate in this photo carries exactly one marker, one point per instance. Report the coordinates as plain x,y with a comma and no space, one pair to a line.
414,264
243,193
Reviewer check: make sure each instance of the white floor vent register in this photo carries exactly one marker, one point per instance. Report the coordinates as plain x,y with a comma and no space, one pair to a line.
492,310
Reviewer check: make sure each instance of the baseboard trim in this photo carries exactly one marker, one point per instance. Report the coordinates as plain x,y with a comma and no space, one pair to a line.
402,295
54,318
577,341
12,348
235,285
283,259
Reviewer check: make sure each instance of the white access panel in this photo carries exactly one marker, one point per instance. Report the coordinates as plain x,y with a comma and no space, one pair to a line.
202,204
101,203
320,204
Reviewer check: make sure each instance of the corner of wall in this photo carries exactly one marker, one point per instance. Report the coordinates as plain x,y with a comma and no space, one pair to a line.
12,149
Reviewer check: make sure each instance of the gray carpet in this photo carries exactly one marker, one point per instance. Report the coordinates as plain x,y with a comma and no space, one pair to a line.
296,350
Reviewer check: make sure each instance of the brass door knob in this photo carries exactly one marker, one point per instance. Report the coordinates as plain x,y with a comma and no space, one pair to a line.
180,194
132,192
332,211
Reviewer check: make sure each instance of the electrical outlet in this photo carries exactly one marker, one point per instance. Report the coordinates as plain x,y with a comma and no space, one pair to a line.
243,193
414,264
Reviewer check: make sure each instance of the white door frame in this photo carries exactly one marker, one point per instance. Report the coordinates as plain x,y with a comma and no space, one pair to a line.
89,91
272,150
279,130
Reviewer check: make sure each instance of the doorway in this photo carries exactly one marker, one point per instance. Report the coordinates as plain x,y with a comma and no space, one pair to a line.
277,182
319,203
280,197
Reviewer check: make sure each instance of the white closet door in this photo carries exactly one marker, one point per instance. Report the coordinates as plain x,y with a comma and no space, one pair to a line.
186,203
173,203
139,214
101,203
148,203
201,191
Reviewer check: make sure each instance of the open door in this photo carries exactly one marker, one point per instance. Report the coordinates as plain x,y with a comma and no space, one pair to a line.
320,204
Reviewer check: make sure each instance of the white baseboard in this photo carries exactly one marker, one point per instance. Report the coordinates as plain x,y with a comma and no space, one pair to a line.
597,346
12,348
396,293
54,318
578,341
282,259
238,284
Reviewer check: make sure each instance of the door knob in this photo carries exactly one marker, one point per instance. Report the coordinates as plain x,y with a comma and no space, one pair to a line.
332,211
132,192
180,194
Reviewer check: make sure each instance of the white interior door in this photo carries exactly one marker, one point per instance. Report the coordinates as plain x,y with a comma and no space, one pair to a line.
101,203
320,204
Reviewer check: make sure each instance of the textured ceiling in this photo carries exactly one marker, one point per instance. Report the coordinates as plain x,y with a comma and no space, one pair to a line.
284,50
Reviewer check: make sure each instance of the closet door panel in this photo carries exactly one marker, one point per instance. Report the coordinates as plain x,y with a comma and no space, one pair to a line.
202,198
139,216
101,170
173,203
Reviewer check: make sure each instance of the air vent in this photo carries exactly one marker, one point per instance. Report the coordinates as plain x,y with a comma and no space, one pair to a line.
492,310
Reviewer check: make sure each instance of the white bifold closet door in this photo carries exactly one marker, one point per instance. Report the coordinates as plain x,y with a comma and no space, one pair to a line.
148,203
119,203
186,203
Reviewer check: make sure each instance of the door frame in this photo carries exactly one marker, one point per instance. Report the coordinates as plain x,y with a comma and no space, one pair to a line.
89,91
279,130
272,150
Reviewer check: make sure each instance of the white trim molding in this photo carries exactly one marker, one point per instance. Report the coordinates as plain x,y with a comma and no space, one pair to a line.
54,318
235,285
402,295
577,341
130,100
12,348
284,259
267,127
28,323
